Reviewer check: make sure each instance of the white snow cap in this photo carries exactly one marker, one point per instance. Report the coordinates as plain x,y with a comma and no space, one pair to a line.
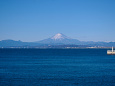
59,36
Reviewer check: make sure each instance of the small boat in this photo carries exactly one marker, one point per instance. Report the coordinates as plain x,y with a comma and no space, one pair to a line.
111,52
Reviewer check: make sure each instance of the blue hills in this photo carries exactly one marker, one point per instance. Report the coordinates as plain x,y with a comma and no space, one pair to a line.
57,41
13,43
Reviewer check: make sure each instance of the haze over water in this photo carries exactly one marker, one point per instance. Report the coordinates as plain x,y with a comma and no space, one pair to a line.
56,67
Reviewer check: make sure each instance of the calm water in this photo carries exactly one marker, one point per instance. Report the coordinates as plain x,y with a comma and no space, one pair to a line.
56,67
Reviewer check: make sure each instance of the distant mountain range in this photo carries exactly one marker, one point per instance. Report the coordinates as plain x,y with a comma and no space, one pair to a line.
12,43
57,41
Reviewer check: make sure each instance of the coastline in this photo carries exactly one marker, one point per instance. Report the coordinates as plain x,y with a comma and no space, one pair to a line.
55,48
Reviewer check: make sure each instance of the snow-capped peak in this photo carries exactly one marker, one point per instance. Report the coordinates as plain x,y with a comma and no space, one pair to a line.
59,36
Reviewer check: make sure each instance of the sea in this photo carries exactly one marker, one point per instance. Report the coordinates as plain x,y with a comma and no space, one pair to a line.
56,67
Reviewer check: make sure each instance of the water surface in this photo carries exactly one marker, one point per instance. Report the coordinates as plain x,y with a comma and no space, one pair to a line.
56,67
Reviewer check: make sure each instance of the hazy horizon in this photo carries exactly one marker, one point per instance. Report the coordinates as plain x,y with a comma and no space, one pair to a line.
35,20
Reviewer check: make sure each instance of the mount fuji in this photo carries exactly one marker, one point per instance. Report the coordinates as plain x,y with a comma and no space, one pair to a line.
57,41
60,38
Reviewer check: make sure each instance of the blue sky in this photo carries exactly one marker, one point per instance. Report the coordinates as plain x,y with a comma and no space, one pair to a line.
34,20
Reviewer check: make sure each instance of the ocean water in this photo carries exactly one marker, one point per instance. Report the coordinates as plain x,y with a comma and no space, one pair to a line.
56,67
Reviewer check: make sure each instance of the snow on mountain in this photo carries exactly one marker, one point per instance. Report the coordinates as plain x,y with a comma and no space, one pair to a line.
59,36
